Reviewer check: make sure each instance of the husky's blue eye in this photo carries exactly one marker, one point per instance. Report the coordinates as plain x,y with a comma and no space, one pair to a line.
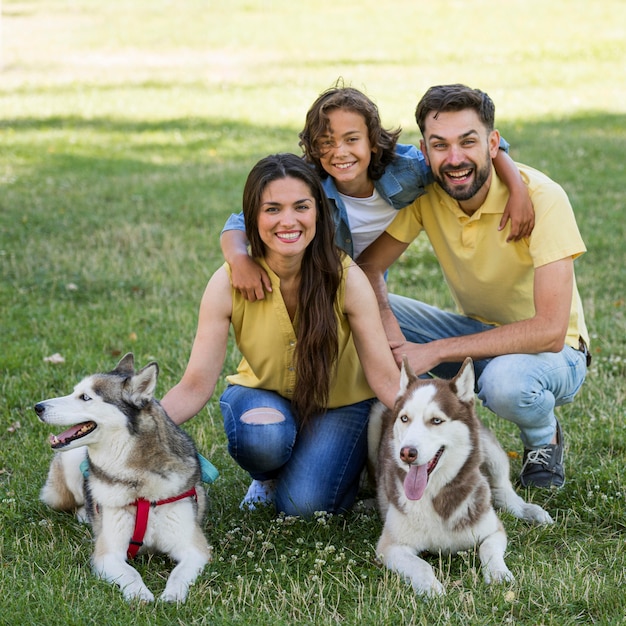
84,397
404,418
436,421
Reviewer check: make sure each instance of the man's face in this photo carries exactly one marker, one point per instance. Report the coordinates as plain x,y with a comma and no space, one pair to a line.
459,150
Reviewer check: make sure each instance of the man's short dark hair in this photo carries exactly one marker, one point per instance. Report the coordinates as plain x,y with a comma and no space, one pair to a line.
457,97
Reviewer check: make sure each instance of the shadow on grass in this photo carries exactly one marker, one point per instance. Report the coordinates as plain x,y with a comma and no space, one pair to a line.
122,205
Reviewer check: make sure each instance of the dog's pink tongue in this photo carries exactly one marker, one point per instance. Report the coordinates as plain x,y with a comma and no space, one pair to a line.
415,481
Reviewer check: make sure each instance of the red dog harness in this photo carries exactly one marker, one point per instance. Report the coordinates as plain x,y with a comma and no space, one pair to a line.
141,520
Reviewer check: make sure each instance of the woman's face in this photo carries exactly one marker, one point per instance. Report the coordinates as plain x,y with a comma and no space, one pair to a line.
287,217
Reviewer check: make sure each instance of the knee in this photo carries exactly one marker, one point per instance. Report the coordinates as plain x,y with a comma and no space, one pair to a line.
261,440
504,393
262,415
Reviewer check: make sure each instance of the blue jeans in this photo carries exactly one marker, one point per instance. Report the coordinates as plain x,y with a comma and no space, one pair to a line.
317,467
522,388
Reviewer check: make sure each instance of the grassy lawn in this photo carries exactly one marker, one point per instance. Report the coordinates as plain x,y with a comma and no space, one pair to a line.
126,132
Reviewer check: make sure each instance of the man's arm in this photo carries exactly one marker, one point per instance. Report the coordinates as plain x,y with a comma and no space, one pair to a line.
544,332
375,260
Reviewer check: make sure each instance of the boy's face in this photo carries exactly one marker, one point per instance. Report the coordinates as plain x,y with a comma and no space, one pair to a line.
345,152
459,150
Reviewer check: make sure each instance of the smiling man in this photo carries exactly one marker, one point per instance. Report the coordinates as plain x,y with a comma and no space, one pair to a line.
520,315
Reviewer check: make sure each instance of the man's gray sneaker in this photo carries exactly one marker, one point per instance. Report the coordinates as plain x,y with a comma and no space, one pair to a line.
544,467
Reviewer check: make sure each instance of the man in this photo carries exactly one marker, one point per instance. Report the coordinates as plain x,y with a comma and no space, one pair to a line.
521,316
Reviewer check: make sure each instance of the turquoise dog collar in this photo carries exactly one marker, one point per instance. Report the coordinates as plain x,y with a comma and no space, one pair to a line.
209,471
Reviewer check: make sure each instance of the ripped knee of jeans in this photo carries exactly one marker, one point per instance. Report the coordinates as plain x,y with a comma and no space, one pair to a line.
262,415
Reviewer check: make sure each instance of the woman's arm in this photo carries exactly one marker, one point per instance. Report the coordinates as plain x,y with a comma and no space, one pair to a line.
370,339
208,352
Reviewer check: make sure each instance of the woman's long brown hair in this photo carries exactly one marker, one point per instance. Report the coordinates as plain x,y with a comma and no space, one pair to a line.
317,336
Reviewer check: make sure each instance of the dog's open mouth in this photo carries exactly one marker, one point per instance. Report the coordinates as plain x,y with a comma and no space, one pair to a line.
417,477
71,434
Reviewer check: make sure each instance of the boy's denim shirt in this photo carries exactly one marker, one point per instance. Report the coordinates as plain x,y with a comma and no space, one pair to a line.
404,180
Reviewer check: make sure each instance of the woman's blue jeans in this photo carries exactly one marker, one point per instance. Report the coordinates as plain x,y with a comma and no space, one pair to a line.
316,467
522,388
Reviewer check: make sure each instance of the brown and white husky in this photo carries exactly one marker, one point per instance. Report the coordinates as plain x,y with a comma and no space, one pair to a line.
438,470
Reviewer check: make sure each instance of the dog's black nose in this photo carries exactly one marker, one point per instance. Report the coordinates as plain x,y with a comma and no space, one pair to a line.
40,408
408,454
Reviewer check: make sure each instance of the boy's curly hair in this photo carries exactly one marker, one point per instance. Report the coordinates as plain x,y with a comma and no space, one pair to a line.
383,141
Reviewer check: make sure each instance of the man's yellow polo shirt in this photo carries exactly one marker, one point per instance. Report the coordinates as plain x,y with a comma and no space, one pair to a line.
492,280
266,337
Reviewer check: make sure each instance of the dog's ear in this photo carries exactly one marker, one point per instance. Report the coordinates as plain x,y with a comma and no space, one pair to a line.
463,382
126,364
139,389
407,376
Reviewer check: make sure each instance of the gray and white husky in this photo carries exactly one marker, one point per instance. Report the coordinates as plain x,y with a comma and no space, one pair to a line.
140,483
437,470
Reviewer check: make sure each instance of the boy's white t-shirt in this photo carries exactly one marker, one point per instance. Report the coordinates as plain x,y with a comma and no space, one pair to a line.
368,218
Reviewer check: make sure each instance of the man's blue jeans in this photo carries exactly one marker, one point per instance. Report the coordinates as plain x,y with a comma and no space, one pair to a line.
317,467
522,388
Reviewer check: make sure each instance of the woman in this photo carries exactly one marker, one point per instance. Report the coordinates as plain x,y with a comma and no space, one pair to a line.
315,354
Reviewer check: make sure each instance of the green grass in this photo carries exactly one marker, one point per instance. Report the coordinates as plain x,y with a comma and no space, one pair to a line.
126,132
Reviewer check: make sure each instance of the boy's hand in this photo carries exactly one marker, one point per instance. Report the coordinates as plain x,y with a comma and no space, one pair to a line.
519,209
250,279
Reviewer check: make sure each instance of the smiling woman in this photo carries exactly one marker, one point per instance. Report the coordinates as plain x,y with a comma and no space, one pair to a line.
287,216
296,411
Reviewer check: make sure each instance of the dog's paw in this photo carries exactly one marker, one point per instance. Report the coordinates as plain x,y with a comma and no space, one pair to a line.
430,589
174,595
498,576
534,513
138,593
